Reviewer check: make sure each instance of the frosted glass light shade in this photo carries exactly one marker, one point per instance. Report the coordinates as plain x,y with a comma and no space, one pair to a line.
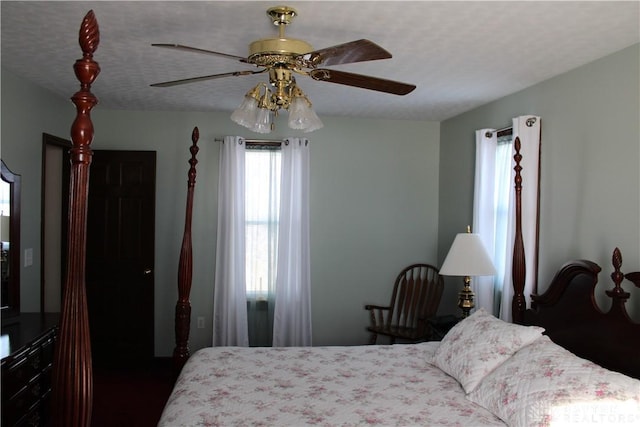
302,116
467,257
297,113
260,104
246,114
314,122
263,121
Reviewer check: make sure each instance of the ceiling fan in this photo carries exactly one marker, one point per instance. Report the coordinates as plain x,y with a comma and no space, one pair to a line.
282,58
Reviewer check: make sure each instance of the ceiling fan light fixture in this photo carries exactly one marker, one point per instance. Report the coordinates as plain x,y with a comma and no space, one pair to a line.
260,105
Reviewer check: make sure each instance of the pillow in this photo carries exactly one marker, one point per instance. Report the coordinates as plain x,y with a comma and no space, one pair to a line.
543,385
478,344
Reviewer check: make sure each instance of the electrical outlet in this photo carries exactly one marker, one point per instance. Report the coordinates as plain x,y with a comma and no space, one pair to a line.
200,322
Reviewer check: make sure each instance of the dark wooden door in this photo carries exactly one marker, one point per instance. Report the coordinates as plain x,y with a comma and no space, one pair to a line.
120,256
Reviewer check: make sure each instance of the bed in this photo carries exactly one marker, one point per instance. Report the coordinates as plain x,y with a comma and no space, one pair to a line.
484,371
503,377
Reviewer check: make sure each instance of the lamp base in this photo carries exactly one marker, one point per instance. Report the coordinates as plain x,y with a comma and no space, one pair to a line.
465,298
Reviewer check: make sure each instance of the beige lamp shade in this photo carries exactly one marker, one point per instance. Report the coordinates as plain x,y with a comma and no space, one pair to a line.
467,257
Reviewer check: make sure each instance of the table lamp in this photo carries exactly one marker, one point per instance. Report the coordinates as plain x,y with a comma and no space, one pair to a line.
467,257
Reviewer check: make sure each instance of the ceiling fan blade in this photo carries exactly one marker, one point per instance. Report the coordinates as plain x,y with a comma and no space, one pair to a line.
204,78
362,81
347,53
197,50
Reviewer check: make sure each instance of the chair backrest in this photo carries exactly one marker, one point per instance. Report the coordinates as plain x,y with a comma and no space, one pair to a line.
416,295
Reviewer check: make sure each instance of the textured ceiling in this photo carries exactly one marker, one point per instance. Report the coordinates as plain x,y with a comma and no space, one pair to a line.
459,54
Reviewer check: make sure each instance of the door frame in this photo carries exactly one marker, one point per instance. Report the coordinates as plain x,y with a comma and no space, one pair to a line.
60,170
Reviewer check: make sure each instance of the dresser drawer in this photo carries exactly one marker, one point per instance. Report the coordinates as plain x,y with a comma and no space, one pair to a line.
24,365
26,378
15,375
38,414
28,398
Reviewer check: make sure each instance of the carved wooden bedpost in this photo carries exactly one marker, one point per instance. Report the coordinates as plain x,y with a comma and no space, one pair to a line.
519,268
72,382
183,306
618,295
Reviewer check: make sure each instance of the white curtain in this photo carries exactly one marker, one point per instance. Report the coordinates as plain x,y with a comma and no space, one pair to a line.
292,317
494,213
484,223
230,300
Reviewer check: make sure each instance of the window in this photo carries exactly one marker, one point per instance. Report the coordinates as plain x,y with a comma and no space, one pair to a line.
262,202
252,186
502,189
494,216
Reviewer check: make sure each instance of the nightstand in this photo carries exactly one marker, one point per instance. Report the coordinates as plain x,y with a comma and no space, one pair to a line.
440,325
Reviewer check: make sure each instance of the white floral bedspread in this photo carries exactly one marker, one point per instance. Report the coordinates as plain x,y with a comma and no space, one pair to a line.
325,386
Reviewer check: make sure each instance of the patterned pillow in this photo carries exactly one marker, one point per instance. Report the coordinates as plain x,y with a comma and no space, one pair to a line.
543,384
478,344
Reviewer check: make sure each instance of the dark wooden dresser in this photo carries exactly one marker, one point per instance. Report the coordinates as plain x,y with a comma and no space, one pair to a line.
27,347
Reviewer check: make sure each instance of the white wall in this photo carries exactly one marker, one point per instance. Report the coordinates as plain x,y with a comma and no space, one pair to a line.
374,187
26,112
374,203
590,179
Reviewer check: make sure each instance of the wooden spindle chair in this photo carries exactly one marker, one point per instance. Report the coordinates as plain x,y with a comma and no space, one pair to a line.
416,295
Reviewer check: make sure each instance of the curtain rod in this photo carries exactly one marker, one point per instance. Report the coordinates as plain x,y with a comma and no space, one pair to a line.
509,130
500,132
258,141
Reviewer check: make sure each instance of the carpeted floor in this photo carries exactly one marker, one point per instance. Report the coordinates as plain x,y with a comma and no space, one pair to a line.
132,396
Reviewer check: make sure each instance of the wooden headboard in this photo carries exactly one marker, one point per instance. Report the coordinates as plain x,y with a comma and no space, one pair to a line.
568,310
572,319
